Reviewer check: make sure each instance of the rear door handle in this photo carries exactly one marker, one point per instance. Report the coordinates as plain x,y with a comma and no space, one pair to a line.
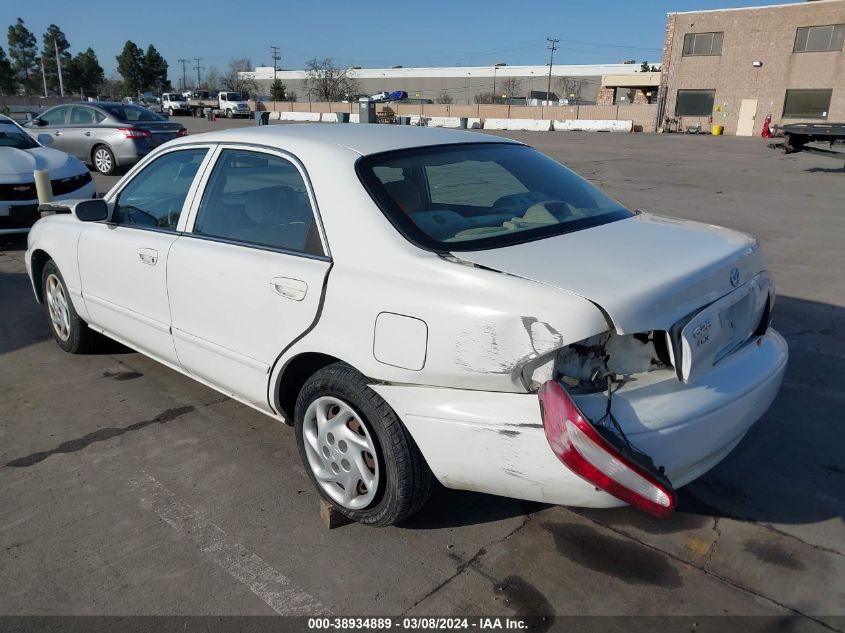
87,133
148,256
57,133
294,289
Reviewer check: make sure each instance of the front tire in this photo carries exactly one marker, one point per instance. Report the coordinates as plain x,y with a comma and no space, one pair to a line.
230,114
72,334
356,450
104,161
169,111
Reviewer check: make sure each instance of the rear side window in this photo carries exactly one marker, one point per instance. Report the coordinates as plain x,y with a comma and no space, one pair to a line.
485,195
260,199
155,196
80,115
132,113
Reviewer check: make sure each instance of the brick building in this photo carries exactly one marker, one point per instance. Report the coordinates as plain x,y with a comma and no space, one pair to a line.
738,65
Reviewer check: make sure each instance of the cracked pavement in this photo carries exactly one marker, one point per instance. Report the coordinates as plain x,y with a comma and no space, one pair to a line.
761,534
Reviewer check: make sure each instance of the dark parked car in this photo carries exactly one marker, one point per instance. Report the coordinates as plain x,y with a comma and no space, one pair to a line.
107,135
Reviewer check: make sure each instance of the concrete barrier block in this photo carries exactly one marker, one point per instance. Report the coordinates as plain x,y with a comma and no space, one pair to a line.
328,117
473,123
444,121
274,116
354,118
593,125
300,116
525,125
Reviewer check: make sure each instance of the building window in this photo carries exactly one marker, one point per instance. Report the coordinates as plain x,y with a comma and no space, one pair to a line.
806,104
811,39
703,44
695,102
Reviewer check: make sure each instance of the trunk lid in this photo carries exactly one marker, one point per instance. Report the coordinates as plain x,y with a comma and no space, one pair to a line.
162,131
645,272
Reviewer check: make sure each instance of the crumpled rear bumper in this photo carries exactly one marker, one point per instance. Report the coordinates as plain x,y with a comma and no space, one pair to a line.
494,442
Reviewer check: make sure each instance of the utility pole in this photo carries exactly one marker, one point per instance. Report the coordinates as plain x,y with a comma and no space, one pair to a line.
198,67
59,68
276,57
184,74
43,77
552,41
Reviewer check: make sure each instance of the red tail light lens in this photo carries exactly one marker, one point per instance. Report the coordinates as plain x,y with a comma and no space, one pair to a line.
131,132
183,132
585,452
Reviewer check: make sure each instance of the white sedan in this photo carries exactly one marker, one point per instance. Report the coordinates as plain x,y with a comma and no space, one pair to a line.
20,156
426,304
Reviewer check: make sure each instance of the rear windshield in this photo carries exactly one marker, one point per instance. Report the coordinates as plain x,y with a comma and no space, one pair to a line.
482,195
132,113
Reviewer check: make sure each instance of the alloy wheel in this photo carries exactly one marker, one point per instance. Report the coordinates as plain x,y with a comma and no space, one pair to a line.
102,160
341,452
57,306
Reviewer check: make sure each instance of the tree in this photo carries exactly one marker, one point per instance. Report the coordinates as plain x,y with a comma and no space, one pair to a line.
7,75
327,82
572,87
511,87
211,80
645,68
239,77
484,97
84,74
154,71
278,90
444,97
23,50
52,40
130,65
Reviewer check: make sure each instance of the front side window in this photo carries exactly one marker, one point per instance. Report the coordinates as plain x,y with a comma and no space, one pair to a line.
486,195
807,104
811,39
56,116
258,199
155,196
695,102
703,44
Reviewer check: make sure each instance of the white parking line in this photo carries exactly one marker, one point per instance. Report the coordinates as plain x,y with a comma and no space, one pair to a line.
263,580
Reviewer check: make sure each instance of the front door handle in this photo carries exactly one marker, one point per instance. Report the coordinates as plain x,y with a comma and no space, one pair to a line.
57,133
294,289
148,255
87,133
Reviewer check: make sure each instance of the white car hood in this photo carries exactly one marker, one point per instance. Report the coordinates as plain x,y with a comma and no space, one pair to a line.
645,272
17,165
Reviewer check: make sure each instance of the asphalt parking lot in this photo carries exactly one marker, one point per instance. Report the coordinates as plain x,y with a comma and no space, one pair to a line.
126,488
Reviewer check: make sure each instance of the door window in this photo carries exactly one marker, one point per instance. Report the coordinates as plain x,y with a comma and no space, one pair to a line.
80,115
258,199
56,116
155,196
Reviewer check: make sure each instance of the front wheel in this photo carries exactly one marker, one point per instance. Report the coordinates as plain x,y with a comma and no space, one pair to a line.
104,161
229,114
356,450
72,334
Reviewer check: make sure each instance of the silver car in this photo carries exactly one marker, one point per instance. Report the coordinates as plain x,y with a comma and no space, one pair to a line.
107,135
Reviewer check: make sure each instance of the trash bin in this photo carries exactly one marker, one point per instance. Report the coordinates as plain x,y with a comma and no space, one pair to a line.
367,112
209,114
717,130
464,122
262,118
343,117
404,120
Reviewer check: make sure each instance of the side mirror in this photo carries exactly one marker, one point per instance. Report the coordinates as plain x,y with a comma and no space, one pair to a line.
39,122
94,210
45,139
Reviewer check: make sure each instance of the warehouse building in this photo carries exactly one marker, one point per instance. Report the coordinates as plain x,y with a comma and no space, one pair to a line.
740,65
462,84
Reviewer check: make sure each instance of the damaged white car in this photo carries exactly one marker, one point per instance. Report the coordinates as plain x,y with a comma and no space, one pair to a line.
426,304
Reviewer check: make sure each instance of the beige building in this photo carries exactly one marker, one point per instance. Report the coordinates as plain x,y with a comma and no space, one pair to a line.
738,65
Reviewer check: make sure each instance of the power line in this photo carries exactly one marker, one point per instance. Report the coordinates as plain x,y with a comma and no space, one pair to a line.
552,48
198,67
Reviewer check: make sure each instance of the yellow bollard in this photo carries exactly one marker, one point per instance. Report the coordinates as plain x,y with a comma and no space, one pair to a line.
43,186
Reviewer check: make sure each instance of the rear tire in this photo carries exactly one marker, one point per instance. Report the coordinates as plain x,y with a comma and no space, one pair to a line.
103,160
72,334
366,444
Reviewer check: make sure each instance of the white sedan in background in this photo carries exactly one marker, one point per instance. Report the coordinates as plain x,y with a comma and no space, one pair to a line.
426,304
20,156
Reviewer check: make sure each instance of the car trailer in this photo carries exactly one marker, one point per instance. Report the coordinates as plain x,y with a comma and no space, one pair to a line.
797,135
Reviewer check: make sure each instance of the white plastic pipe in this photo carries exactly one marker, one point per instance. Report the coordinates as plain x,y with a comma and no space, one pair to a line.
43,186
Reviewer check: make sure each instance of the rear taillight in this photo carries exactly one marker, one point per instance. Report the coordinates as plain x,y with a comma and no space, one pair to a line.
183,132
131,132
578,444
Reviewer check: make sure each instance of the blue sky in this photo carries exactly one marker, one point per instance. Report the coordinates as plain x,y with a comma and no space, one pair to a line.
419,33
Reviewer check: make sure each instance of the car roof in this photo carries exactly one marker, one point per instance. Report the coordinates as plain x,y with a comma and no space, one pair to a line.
364,139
